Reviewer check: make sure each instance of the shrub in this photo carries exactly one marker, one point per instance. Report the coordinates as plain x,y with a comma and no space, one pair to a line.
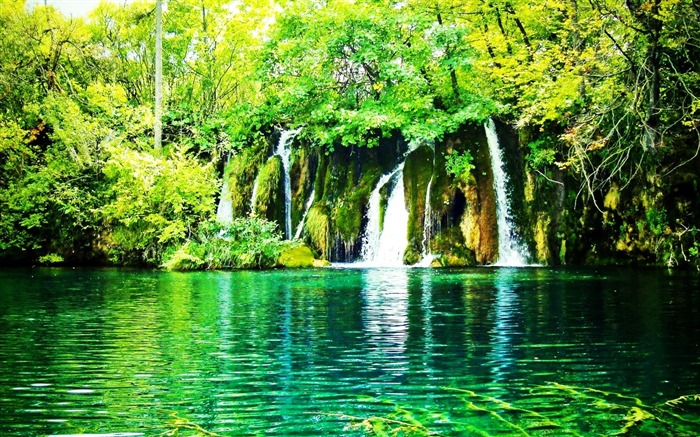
460,165
155,202
247,243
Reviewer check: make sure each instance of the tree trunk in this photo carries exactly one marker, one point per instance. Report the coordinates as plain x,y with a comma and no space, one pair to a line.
453,73
158,126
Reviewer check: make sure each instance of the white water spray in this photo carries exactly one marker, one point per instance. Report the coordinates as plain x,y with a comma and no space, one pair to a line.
300,226
511,251
383,246
254,196
284,151
427,229
224,211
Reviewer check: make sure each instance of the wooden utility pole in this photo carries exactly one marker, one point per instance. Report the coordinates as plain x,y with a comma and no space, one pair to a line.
158,125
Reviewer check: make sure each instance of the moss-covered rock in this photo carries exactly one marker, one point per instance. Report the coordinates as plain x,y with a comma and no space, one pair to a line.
560,224
453,246
296,256
269,202
349,211
450,260
241,172
344,182
543,254
417,173
318,228
474,202
303,174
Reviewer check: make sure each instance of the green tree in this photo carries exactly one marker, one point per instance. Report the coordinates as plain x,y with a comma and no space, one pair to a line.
154,202
355,71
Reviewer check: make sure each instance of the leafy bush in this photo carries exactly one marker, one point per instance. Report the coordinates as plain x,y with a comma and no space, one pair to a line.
51,258
656,218
246,243
460,165
540,155
155,203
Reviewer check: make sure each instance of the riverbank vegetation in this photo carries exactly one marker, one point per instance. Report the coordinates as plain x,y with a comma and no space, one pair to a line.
603,96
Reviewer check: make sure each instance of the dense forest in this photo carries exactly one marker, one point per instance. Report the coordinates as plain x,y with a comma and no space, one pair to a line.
599,99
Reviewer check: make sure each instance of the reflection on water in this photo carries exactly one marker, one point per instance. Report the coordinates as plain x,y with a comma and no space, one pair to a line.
507,318
385,295
283,352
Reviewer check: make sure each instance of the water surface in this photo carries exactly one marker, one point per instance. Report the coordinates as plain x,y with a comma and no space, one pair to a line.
467,352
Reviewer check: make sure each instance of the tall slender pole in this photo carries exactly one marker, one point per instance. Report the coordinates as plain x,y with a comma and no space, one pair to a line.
158,126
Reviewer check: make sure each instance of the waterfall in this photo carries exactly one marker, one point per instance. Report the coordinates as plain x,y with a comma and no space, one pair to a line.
427,229
224,211
428,222
284,151
511,251
385,245
254,196
300,226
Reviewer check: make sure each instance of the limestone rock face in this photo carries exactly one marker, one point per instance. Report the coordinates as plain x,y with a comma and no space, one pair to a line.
452,218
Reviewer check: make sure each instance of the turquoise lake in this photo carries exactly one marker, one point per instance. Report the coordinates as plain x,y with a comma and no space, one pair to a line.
485,351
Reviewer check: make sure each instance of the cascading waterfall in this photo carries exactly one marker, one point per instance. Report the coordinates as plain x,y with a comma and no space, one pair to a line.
300,226
511,251
224,211
383,246
370,241
427,229
394,238
284,151
254,196
428,223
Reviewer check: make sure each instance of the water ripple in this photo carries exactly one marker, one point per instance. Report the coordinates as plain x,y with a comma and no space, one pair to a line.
128,353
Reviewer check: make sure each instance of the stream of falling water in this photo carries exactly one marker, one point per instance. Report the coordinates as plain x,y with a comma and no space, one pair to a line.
427,229
284,151
511,251
300,226
254,196
384,246
224,211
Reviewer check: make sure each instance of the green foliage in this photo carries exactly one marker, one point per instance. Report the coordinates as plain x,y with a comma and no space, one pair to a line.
541,156
182,260
656,219
51,189
609,87
15,152
247,243
51,258
694,251
154,202
353,72
460,165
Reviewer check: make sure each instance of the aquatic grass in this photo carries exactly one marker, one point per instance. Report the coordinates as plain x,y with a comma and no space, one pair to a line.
389,426
580,411
506,406
636,414
179,424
